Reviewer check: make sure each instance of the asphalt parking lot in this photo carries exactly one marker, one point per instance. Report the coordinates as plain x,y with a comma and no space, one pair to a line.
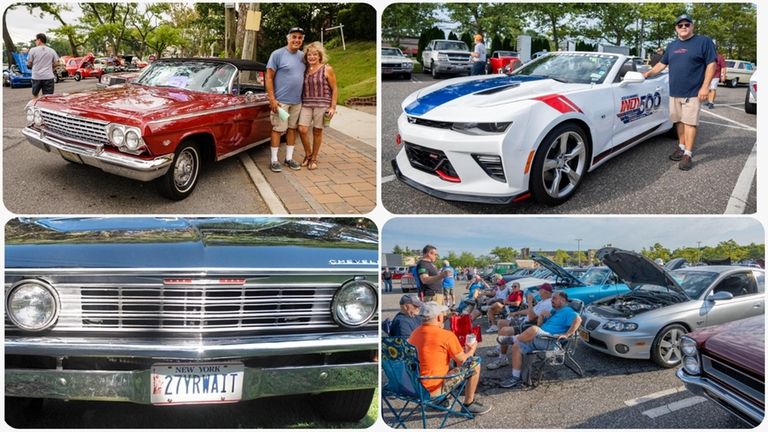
641,180
614,393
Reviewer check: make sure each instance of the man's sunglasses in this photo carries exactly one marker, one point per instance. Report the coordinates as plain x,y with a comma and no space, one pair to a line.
683,25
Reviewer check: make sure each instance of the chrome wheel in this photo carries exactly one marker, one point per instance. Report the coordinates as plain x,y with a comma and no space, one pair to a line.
669,346
185,169
564,164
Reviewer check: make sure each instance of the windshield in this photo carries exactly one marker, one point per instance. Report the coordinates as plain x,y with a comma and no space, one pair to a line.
506,53
542,273
570,68
391,52
694,283
200,76
450,45
596,276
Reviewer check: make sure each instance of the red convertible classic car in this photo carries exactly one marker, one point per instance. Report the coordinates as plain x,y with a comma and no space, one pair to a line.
178,115
82,67
499,59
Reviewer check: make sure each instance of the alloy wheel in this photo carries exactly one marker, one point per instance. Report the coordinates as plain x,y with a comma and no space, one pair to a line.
564,164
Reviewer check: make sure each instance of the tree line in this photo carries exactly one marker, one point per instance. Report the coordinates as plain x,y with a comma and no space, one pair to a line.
733,26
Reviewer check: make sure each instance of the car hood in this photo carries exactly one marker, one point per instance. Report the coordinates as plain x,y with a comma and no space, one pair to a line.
741,342
560,272
454,99
396,59
637,269
131,101
267,243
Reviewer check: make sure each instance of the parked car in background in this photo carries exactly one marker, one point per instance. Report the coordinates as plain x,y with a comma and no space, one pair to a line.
18,74
394,62
442,56
186,311
595,284
738,71
178,115
726,363
499,59
407,283
649,321
82,67
750,100
116,78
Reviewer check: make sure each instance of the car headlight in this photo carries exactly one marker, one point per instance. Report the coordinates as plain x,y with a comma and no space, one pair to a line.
691,365
38,117
481,128
408,65
30,112
620,326
132,139
32,305
688,346
354,303
116,135
442,57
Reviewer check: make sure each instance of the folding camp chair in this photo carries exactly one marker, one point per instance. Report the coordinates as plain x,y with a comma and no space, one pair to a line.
400,363
461,326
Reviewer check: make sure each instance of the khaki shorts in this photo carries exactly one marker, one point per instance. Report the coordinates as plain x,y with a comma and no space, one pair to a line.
281,126
713,84
313,116
684,110
435,298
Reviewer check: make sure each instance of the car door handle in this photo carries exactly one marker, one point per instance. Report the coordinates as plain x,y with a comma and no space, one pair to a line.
757,306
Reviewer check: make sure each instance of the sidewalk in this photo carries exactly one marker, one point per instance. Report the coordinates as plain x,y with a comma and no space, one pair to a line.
345,178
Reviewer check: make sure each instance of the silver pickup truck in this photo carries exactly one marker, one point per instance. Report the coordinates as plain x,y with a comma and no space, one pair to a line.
443,56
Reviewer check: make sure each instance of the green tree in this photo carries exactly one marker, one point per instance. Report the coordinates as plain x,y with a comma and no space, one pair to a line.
657,251
452,36
612,22
486,18
57,11
657,22
108,24
467,259
357,19
401,20
561,257
398,250
555,19
163,37
504,254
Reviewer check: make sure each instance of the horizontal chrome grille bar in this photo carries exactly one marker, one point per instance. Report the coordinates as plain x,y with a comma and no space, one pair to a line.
80,128
732,377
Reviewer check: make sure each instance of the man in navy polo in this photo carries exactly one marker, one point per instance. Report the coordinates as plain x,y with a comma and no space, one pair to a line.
691,60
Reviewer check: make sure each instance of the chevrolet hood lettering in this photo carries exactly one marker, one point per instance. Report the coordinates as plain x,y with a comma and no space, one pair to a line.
352,262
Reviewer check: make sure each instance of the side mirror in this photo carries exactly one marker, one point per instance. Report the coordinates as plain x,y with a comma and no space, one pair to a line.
719,296
632,77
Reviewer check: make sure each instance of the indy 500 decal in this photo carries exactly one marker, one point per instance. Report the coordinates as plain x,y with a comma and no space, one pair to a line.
635,107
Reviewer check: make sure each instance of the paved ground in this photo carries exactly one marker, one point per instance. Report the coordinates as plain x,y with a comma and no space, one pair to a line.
36,182
615,393
639,181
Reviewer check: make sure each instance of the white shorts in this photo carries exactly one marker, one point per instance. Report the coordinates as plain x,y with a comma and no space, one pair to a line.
713,84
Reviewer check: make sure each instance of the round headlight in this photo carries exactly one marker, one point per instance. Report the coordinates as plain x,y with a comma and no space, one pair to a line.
30,115
354,303
116,135
132,140
32,305
691,365
38,117
688,346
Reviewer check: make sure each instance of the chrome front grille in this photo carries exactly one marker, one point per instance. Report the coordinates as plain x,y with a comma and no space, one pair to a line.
731,377
78,128
460,58
392,65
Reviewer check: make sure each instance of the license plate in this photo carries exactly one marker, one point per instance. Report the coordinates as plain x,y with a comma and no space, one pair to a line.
72,157
584,335
386,70
196,383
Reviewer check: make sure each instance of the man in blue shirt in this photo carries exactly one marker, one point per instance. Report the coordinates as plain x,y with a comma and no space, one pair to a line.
406,321
561,322
691,59
478,56
448,283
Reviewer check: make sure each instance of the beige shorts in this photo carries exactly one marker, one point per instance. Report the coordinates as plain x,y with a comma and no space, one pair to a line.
684,110
281,126
313,116
713,84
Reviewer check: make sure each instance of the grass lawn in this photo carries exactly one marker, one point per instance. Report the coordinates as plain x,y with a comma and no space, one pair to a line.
365,422
355,69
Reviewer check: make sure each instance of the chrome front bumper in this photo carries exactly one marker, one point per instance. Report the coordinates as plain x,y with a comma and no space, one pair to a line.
737,405
135,386
113,163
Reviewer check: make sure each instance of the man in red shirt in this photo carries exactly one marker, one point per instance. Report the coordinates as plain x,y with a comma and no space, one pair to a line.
720,76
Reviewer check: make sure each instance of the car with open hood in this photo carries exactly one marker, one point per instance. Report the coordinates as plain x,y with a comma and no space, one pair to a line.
649,321
180,114
184,311
536,132
18,74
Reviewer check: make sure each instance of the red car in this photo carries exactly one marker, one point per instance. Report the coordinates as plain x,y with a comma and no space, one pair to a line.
82,67
499,59
178,115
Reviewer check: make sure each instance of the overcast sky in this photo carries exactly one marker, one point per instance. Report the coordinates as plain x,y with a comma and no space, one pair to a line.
23,26
480,235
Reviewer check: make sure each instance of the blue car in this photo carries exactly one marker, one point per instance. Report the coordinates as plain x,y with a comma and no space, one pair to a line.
596,283
18,75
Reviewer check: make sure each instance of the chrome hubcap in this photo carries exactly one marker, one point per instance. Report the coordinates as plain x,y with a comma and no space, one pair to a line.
185,169
564,164
669,347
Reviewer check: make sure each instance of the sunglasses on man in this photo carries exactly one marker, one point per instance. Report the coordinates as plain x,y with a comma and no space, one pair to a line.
683,25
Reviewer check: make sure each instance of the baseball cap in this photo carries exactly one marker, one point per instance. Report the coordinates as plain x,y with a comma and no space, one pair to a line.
432,309
545,287
684,17
411,299
501,282
296,30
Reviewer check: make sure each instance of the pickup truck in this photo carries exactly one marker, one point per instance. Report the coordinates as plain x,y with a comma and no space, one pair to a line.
442,56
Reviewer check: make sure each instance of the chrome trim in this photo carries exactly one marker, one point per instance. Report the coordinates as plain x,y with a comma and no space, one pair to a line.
210,111
135,386
708,367
195,271
740,407
242,149
114,163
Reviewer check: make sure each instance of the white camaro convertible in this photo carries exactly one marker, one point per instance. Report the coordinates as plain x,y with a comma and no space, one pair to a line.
536,132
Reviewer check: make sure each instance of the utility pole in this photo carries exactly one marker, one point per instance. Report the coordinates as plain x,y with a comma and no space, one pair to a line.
230,30
249,42
578,250
698,247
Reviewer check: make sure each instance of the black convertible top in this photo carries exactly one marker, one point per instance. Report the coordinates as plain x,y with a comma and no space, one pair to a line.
238,63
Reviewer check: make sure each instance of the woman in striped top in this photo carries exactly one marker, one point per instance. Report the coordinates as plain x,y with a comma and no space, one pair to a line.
318,102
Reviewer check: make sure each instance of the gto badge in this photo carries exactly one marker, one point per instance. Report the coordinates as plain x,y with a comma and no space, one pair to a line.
352,262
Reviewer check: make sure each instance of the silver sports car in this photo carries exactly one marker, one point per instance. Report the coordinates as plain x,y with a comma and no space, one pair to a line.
663,305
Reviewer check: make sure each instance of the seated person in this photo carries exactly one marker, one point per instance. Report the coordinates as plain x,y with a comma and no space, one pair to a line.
474,286
406,321
533,314
562,323
436,346
509,304
499,293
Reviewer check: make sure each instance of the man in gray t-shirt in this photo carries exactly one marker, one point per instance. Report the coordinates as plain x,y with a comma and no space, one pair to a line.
478,56
42,59
285,81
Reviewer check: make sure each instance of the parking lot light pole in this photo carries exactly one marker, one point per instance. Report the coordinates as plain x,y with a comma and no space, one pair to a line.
578,251
698,248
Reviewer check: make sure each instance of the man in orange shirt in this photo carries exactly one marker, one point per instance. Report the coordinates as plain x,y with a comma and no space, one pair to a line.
436,347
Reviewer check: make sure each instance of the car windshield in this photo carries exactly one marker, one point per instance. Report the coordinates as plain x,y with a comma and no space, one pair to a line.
541,273
391,52
595,276
570,67
200,76
506,53
694,283
450,45
730,63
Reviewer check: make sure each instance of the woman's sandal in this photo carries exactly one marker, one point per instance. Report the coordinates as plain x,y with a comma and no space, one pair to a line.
312,164
306,161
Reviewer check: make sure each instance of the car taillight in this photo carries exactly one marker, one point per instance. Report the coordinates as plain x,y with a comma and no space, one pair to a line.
398,139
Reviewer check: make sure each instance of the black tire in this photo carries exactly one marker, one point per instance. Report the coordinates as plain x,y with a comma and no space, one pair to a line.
405,290
349,406
749,108
78,77
538,181
733,82
181,179
18,411
665,350
432,69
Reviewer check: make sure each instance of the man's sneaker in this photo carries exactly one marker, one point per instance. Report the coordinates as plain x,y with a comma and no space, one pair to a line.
275,166
677,155
500,363
494,352
492,329
710,105
478,408
292,164
685,163
505,340
512,382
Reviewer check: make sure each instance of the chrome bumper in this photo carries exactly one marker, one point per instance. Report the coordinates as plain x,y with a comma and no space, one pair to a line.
113,163
737,405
